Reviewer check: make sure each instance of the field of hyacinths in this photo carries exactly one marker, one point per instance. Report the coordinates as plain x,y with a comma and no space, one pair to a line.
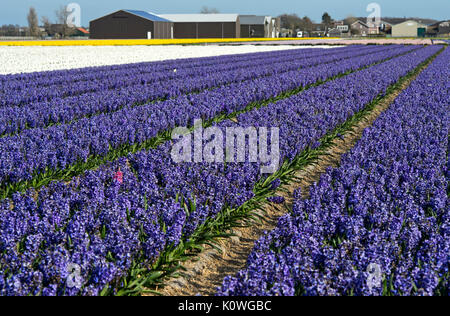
386,204
87,179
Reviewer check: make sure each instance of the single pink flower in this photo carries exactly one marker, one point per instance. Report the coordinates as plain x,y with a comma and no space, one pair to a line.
119,176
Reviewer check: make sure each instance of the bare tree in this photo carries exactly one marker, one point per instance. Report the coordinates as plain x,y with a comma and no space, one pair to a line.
307,24
46,23
355,31
61,19
290,21
33,22
349,20
10,30
206,10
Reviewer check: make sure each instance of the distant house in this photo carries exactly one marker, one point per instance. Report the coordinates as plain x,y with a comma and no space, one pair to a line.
441,28
374,30
385,27
284,32
55,30
342,28
258,26
394,21
337,23
409,28
369,28
80,32
359,28
334,32
444,28
318,30
61,30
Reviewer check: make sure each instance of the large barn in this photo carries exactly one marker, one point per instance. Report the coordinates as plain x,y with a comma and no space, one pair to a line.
205,25
135,24
409,28
131,24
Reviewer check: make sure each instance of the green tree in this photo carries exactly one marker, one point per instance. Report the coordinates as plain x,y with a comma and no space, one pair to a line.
327,20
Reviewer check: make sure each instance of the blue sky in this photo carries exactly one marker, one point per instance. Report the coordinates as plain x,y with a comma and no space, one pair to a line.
14,12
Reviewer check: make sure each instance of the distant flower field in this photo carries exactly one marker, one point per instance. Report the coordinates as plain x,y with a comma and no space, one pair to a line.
48,58
143,42
93,203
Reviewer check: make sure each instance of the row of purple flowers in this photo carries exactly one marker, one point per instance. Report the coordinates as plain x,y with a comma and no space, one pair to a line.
377,225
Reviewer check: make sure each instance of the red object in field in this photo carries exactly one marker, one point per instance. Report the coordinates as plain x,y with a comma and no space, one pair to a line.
119,176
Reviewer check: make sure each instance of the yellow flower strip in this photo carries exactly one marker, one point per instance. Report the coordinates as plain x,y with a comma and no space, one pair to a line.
146,42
